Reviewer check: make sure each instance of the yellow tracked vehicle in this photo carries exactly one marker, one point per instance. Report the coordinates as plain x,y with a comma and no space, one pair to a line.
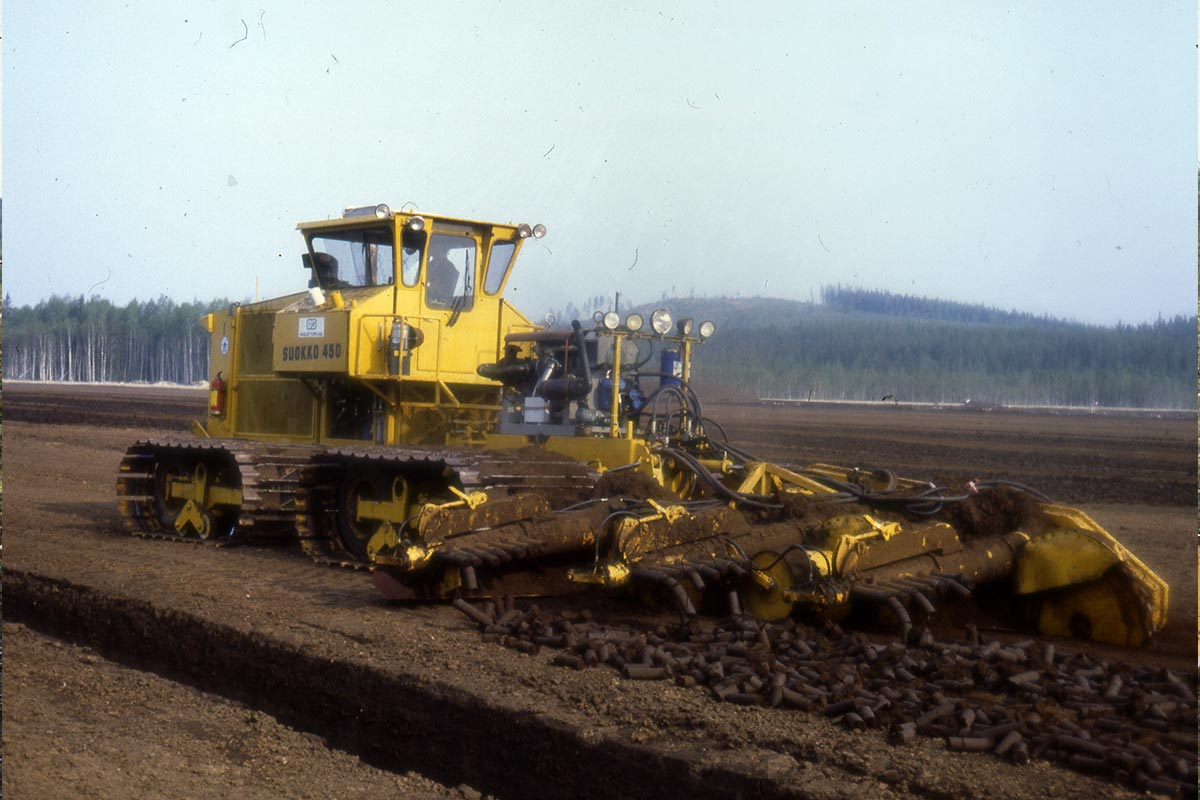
400,416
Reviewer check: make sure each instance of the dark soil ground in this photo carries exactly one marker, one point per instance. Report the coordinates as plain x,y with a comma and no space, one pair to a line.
78,725
211,666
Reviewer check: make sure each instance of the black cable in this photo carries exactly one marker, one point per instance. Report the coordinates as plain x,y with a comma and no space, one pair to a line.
603,525
657,394
824,555
779,557
706,421
628,501
740,550
926,503
701,504
745,455
690,401
582,503
678,383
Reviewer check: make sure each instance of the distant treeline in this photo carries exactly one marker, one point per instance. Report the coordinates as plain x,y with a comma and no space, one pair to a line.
856,345
867,301
865,345
72,339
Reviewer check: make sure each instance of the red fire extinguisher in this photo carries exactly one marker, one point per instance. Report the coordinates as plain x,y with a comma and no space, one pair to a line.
216,397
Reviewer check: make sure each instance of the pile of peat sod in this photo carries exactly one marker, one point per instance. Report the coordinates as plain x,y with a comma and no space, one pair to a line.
1134,725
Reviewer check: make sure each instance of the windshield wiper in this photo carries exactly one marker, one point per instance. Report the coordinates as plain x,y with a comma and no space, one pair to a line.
456,309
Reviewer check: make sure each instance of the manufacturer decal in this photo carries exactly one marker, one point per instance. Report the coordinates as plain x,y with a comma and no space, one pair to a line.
312,327
311,352
224,345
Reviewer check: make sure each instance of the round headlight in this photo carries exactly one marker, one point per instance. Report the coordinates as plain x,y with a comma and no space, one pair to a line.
634,322
598,317
524,231
612,320
684,326
417,223
382,211
707,329
660,320
539,231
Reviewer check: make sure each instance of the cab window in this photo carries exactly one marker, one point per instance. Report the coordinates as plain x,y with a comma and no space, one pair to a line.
412,248
360,257
450,273
499,261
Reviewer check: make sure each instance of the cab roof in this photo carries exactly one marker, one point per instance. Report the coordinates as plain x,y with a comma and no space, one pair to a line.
366,218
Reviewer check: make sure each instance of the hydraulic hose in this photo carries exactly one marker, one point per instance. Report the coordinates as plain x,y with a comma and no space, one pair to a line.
706,477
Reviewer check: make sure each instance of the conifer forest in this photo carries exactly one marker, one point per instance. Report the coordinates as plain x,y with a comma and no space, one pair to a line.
852,344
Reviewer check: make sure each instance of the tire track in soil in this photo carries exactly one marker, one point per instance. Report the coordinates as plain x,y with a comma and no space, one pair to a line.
445,736
105,405
182,742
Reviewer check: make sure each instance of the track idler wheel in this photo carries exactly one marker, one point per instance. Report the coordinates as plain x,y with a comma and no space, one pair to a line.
185,497
367,499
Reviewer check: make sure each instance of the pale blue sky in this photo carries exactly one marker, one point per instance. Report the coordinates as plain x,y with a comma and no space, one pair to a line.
1037,156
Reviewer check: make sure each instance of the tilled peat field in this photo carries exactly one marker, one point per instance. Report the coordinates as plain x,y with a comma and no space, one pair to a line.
149,668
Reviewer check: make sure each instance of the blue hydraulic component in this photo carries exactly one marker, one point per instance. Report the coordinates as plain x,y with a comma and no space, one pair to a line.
636,398
604,393
672,368
632,393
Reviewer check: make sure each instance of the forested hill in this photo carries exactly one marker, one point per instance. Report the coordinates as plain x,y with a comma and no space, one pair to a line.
860,345
854,345
835,298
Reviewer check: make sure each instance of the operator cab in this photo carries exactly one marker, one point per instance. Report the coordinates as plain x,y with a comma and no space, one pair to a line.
449,263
